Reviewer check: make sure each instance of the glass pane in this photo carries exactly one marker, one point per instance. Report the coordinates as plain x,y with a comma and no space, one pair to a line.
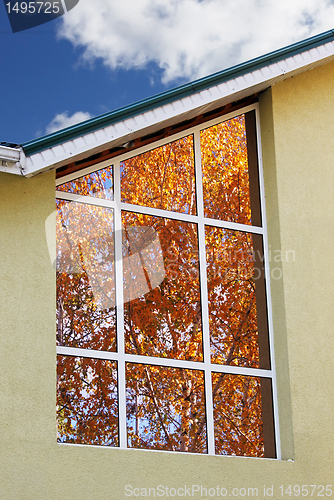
85,277
87,401
165,408
97,184
237,411
162,311
232,297
161,178
225,171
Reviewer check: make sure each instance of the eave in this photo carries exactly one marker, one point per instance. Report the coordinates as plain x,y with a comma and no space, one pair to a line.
183,103
11,159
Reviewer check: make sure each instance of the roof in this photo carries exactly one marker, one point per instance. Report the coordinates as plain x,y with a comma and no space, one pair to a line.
181,103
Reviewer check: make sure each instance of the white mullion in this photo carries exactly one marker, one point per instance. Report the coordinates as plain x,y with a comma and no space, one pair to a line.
241,370
87,353
120,310
204,297
88,200
167,362
267,284
234,226
157,212
197,365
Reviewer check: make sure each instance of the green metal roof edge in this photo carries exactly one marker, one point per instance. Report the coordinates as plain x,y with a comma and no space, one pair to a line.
86,127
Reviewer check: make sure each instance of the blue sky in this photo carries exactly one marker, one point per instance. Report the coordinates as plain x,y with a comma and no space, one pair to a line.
42,77
105,54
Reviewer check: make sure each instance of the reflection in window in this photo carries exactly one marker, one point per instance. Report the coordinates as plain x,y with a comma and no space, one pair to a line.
191,297
237,411
162,310
165,408
87,402
85,276
162,178
232,297
225,171
97,184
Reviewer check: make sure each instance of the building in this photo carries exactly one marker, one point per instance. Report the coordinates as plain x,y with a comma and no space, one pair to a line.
274,113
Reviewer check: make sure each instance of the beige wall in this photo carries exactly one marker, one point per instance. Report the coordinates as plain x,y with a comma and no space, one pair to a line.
297,134
300,207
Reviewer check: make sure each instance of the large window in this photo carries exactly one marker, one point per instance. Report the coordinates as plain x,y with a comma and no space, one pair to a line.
162,312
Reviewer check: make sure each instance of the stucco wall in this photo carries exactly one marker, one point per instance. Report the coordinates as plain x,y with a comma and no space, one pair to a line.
300,201
297,134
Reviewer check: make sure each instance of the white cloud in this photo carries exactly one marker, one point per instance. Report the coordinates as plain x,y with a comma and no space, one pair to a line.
190,38
62,120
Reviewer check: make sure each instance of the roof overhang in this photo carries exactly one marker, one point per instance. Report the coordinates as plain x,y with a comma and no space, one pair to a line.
11,159
164,110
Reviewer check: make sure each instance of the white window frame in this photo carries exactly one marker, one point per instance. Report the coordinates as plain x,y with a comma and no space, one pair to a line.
206,366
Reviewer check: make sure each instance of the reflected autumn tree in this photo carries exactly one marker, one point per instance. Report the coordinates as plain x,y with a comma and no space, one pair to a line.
162,301
237,412
232,298
225,171
87,401
165,407
164,404
85,277
165,321
97,184
162,178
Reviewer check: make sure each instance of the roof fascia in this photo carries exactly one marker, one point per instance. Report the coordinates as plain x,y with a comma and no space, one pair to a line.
67,134
11,160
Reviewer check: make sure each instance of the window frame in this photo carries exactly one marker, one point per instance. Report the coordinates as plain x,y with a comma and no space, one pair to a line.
206,365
